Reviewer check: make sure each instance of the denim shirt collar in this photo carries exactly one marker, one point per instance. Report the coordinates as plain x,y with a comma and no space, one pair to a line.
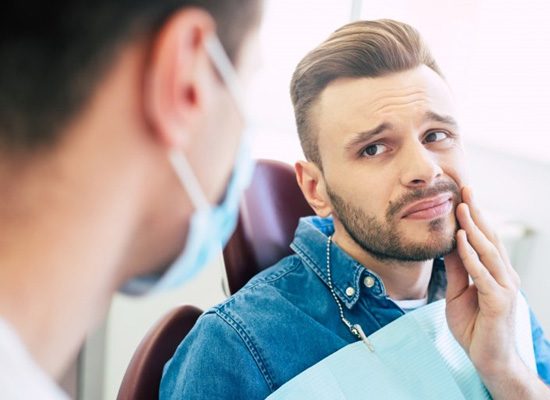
310,243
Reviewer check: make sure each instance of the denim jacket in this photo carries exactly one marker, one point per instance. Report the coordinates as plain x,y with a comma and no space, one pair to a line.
285,320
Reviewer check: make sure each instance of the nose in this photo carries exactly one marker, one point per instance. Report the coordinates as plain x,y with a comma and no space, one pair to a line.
420,167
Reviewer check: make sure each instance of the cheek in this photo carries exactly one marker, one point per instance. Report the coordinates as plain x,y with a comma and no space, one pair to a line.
373,194
365,187
216,152
454,166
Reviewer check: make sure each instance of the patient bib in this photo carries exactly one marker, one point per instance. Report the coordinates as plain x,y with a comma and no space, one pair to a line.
415,357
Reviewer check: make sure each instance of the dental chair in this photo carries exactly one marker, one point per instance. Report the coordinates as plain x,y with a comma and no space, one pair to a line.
269,214
142,377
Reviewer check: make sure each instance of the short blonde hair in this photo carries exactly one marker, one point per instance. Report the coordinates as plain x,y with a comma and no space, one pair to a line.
359,49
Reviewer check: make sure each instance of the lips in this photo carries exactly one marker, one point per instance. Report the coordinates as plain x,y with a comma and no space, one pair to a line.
430,208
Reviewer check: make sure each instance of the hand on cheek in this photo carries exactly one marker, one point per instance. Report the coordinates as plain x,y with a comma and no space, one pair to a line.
481,312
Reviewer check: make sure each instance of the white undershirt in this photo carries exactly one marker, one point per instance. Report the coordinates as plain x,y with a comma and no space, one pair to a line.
411,305
20,377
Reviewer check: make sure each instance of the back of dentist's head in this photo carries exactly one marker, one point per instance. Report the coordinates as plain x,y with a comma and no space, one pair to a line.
54,54
96,101
121,154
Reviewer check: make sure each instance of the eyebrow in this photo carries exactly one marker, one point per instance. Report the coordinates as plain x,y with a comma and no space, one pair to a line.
367,135
445,119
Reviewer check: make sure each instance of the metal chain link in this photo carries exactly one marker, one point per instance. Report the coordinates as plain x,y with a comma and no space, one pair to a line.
355,329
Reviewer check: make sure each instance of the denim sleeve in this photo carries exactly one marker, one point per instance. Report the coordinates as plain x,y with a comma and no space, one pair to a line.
542,350
213,362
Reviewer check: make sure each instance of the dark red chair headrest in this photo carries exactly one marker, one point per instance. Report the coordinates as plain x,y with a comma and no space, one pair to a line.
269,214
143,375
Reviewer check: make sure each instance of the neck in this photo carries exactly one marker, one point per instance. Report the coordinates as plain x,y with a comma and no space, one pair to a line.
60,245
78,220
402,280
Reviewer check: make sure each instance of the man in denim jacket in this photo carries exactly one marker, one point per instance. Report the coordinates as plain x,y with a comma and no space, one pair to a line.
385,177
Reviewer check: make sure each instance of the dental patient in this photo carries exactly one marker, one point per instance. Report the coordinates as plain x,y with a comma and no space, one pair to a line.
398,260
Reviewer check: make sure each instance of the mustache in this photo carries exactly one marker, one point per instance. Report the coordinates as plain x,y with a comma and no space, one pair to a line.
419,194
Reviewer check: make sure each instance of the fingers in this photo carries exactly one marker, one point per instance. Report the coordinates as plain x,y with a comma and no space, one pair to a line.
468,198
482,277
486,242
479,220
487,252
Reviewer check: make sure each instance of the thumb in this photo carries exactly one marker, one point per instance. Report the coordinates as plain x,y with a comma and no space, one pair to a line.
457,276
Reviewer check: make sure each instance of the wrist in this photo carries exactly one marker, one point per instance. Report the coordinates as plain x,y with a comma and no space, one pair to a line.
503,370
514,381
494,367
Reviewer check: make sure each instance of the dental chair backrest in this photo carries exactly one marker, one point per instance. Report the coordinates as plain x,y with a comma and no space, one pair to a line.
143,375
269,214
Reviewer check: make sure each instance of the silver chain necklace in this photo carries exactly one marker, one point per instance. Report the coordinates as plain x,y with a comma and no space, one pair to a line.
355,329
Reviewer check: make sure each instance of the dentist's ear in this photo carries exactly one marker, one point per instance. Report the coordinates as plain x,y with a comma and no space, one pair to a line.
311,181
176,83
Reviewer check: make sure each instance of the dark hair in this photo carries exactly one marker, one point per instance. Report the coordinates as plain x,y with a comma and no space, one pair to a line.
54,53
360,49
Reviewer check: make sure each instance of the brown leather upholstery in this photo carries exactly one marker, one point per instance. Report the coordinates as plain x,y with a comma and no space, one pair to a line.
269,215
142,377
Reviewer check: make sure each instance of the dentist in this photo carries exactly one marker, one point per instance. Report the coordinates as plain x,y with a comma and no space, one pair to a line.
122,159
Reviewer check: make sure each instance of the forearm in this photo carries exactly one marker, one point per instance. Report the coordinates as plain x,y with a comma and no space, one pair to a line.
519,383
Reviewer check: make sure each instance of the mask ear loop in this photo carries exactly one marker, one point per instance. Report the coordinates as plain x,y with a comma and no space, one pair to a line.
182,167
225,68
188,179
227,71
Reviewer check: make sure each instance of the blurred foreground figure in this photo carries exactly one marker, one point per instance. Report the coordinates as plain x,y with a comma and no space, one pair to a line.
122,159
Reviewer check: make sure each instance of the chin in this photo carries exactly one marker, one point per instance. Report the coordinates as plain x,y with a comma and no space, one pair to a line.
443,246
424,230
436,239
429,249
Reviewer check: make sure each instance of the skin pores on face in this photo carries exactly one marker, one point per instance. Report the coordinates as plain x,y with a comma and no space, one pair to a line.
392,162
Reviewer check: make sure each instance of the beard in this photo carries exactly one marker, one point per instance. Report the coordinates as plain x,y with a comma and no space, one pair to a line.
384,241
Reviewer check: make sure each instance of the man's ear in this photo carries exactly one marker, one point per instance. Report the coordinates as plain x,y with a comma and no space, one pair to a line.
311,181
176,88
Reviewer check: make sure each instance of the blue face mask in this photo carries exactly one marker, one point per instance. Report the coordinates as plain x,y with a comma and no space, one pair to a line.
210,226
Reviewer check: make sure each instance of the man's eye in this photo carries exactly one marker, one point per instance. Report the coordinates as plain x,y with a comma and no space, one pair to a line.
436,136
373,150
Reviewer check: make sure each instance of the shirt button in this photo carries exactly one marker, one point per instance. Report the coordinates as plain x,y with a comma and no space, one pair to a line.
350,291
369,281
